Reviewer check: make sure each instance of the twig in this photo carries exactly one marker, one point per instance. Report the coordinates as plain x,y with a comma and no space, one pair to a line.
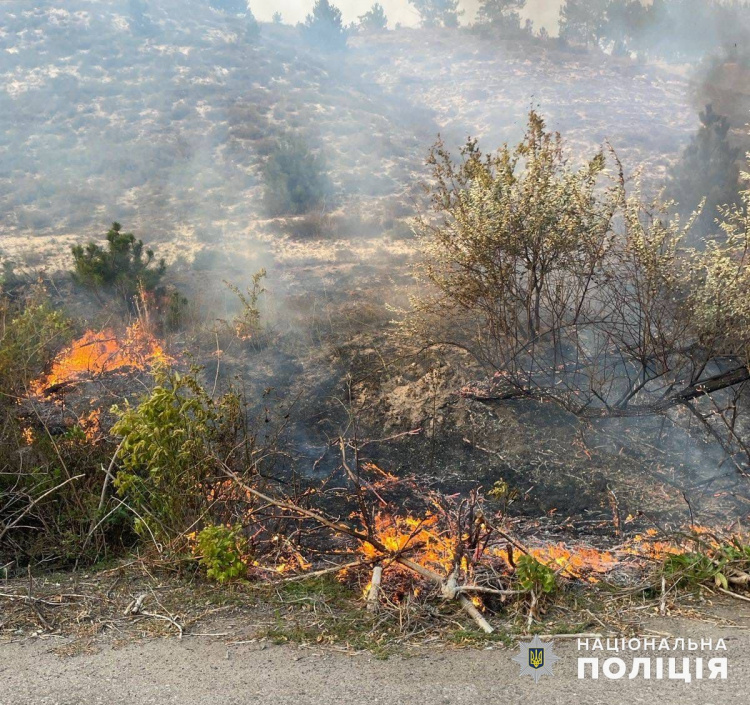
32,504
166,618
326,571
734,594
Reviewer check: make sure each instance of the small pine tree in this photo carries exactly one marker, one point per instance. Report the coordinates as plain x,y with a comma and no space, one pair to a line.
437,13
501,14
277,18
324,26
708,168
583,21
295,179
374,20
123,265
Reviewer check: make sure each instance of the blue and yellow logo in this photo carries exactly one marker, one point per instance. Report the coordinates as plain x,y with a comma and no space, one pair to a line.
536,658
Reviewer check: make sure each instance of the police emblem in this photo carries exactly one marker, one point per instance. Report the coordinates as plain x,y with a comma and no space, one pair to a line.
536,658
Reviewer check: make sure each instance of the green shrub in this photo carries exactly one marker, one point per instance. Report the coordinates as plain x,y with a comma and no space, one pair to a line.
169,453
31,331
295,179
534,576
123,265
221,551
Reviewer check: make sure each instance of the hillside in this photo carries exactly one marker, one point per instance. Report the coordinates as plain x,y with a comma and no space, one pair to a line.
162,121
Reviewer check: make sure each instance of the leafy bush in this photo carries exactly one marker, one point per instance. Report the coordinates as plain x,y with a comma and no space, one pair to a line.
534,576
221,551
31,331
526,259
295,179
169,453
123,265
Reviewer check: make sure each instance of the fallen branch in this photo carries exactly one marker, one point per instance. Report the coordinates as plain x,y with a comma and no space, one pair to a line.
373,595
734,594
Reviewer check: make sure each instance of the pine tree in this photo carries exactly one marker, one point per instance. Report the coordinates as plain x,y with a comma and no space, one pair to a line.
296,179
324,26
437,13
583,21
625,23
374,20
708,168
124,264
501,14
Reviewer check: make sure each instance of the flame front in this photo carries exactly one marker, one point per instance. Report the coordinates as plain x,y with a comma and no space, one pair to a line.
397,533
98,353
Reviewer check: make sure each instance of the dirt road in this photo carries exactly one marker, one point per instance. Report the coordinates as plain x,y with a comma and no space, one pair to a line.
205,670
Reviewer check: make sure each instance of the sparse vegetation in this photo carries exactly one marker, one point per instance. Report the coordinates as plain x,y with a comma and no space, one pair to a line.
234,7
247,323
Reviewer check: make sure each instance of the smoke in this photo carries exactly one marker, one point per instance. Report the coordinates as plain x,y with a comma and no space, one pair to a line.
164,121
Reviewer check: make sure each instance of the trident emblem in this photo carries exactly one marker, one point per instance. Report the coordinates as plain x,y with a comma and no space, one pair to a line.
536,658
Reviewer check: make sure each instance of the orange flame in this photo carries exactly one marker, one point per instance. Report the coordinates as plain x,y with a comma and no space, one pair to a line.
97,353
399,533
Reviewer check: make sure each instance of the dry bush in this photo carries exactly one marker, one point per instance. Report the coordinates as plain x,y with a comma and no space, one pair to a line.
576,291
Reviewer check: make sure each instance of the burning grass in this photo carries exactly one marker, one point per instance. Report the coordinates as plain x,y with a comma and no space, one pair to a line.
98,353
